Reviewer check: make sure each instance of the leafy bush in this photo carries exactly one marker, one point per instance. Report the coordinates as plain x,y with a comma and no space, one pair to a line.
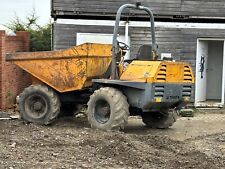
40,36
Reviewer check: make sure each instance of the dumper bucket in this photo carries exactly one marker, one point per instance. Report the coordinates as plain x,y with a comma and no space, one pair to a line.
66,70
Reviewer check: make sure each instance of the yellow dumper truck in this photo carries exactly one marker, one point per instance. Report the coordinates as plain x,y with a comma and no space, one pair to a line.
95,75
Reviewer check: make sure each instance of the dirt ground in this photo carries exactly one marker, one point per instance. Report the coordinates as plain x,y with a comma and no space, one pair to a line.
197,142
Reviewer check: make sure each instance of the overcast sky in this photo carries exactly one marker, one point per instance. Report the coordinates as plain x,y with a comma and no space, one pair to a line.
8,9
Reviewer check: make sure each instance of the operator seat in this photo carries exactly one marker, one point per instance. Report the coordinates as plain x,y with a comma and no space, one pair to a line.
145,53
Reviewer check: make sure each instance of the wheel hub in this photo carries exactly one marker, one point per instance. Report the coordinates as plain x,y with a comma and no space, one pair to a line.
37,106
102,111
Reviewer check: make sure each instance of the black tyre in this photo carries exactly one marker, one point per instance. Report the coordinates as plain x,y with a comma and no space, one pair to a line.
108,109
159,120
39,104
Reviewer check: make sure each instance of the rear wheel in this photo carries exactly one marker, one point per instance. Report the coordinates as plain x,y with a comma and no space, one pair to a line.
108,109
160,120
39,104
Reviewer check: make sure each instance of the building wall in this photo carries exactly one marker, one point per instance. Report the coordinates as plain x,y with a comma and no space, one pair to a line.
12,79
180,42
65,35
161,8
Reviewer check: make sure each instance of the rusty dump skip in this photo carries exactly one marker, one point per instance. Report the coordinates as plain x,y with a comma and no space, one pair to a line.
66,70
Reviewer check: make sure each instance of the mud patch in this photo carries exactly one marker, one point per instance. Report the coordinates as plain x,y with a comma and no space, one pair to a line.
70,143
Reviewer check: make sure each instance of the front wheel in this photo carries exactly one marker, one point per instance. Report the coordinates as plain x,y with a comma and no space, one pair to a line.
108,109
159,120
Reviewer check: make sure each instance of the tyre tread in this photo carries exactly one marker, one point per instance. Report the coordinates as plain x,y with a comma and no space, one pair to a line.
54,103
120,107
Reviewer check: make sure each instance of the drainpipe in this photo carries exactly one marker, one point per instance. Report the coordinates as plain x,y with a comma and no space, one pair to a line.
127,56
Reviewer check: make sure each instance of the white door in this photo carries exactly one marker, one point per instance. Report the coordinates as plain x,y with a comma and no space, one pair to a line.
215,71
201,71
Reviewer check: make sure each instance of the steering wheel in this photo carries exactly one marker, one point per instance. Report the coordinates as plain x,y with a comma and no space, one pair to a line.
123,46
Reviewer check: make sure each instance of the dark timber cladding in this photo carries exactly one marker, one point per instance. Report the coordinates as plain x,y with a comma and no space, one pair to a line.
181,42
163,8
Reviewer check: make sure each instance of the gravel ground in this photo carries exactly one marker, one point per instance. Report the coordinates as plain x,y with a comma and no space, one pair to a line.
197,142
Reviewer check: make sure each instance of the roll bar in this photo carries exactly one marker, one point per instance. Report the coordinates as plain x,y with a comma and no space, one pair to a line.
115,48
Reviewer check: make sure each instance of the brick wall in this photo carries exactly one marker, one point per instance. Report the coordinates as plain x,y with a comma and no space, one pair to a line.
12,79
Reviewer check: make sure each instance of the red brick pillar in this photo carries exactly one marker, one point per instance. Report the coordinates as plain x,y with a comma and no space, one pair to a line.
26,39
2,53
12,79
